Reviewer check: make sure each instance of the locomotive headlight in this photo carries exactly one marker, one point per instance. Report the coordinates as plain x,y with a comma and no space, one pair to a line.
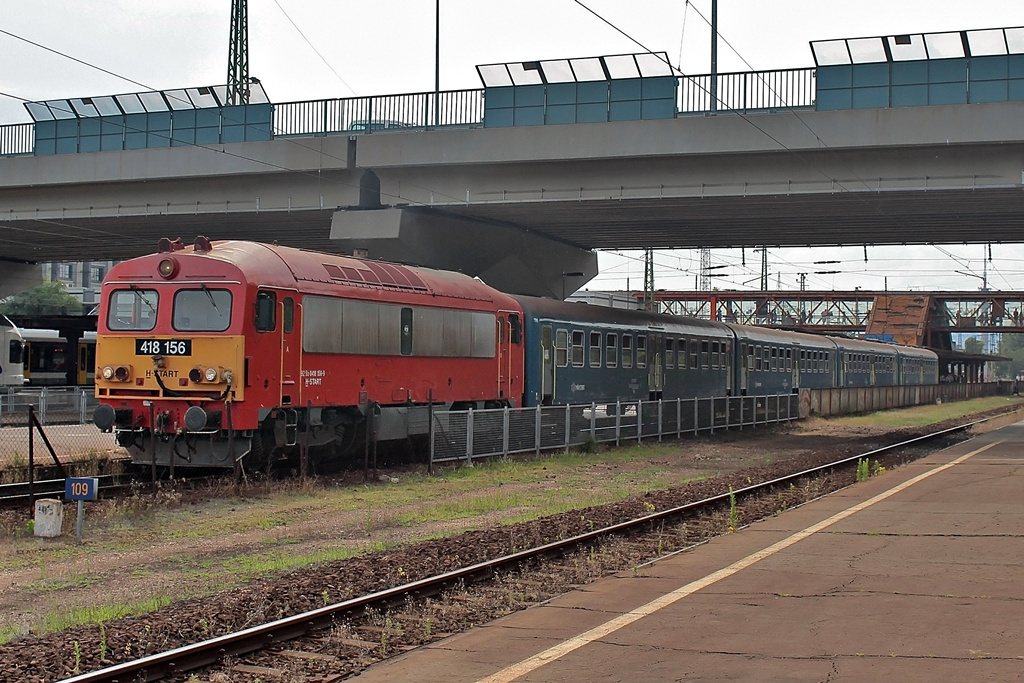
194,375
211,374
108,373
168,268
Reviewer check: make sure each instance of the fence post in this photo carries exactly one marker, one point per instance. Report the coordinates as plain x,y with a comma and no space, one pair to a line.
504,435
42,404
660,408
81,412
593,422
430,429
679,417
639,421
469,437
711,414
696,416
618,420
568,420
537,430
741,413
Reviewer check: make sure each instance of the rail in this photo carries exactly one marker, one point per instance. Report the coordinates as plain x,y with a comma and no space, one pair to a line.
203,653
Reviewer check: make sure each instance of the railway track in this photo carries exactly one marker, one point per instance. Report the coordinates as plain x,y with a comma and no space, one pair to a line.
274,634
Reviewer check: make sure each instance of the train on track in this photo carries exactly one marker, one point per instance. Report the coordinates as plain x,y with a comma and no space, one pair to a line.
223,351
39,357
11,354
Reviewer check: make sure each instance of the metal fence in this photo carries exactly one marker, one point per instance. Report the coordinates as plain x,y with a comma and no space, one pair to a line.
383,112
748,91
465,435
17,138
65,412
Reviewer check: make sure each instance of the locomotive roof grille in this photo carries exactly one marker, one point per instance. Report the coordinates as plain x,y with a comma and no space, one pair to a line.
376,274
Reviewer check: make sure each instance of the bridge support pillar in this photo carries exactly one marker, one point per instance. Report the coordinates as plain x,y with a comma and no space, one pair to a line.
506,258
17,277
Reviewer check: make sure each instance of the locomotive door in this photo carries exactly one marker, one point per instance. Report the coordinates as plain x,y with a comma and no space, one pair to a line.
547,368
291,353
505,354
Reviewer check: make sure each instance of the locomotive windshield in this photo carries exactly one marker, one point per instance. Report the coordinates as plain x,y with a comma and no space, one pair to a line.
202,310
132,309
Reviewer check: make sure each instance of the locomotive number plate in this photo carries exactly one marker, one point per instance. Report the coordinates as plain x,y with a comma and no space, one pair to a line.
163,347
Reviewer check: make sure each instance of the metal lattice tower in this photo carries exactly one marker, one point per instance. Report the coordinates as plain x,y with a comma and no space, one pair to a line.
705,268
648,279
238,54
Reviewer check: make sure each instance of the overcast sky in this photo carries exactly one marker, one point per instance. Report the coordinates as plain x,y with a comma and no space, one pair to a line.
316,49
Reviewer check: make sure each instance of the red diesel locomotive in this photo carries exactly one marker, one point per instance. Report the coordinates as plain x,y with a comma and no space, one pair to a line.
220,350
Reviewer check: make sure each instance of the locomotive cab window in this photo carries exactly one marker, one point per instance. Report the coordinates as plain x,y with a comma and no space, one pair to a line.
133,309
201,310
289,314
266,311
14,358
516,328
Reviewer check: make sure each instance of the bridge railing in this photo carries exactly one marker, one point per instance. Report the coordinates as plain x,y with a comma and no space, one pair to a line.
740,92
17,138
381,112
748,91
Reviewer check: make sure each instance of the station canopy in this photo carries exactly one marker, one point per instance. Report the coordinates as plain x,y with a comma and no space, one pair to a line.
140,103
919,46
576,70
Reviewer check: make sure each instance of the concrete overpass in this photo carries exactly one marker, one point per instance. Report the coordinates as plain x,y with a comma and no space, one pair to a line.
523,207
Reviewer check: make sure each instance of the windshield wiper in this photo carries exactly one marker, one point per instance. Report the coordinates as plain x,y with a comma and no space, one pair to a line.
142,298
209,295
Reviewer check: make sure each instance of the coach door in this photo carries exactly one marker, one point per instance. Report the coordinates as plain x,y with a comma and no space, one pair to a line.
547,369
655,365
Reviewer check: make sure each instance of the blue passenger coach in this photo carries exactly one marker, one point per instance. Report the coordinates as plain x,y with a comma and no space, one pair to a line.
576,353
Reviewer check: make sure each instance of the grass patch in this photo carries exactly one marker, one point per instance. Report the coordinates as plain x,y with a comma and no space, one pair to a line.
61,620
918,416
248,567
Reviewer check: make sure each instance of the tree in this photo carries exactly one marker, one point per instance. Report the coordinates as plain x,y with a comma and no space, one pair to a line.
1011,346
48,298
973,345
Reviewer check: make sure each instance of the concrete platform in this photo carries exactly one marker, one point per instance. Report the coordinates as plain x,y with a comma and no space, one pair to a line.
915,575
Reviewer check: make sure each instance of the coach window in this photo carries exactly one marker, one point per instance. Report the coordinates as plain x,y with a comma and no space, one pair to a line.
714,354
670,353
595,349
693,354
705,354
641,351
775,359
577,348
266,311
627,351
828,361
750,357
561,348
133,309
612,352
406,346
789,360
